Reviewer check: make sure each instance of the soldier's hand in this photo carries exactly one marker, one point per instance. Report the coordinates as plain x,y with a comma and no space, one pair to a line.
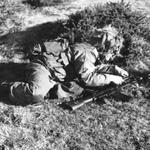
118,80
121,72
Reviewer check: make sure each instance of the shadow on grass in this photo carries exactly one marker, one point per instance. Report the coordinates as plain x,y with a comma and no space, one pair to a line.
10,72
33,35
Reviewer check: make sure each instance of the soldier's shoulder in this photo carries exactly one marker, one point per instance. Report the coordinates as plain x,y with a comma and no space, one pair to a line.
82,46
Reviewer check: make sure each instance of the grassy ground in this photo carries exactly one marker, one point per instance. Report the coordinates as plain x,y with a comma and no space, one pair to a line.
108,125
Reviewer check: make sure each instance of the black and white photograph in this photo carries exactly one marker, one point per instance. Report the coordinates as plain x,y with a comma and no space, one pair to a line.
74,75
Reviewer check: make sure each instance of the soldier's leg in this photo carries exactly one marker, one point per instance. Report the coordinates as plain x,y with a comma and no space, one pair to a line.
38,83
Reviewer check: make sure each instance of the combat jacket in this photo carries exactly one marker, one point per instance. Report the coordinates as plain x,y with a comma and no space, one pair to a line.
76,61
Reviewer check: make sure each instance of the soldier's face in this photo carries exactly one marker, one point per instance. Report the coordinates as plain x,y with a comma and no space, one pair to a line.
113,47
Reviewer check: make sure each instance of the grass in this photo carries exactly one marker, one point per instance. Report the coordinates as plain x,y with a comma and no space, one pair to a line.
10,22
111,125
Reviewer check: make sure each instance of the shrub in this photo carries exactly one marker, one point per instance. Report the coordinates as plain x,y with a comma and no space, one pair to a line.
120,15
128,22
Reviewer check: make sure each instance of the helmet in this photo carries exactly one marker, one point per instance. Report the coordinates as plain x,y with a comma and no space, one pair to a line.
110,41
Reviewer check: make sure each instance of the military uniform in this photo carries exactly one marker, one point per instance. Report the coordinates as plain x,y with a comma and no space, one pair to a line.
55,64
57,67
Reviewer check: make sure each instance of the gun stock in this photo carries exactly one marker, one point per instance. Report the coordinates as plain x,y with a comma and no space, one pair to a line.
73,105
